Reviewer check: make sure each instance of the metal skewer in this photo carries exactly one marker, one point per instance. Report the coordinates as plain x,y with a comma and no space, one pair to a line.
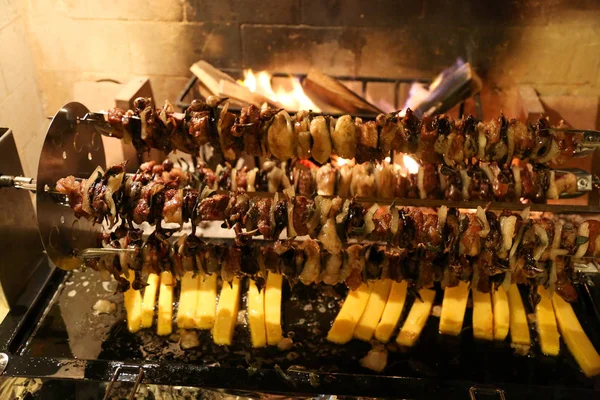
99,120
101,252
587,265
586,182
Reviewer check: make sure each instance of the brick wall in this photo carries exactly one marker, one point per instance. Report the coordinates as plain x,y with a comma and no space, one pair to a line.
20,105
552,44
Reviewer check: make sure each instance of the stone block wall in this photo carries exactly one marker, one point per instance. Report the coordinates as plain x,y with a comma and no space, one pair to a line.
21,106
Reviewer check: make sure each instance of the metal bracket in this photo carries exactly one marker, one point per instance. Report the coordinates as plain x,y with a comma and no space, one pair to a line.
122,369
490,391
3,362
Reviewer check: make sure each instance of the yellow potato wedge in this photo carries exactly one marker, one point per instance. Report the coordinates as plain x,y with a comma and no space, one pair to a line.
206,303
370,318
256,315
273,308
227,312
519,330
483,316
391,312
417,317
453,308
149,300
546,324
344,324
133,306
501,313
188,298
574,336
165,304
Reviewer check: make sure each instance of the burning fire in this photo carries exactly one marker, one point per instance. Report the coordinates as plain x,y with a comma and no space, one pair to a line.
412,166
292,99
339,161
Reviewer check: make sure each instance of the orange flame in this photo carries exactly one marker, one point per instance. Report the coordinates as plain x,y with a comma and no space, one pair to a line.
412,166
294,99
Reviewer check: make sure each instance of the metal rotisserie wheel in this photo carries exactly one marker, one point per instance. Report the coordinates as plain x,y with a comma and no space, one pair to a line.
69,148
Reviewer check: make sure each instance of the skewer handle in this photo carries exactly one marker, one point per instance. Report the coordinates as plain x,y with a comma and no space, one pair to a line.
18,182
590,141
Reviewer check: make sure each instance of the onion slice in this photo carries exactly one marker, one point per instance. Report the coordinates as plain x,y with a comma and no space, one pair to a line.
96,175
442,216
466,183
144,131
550,154
443,179
343,215
552,192
543,240
507,227
251,179
485,167
112,186
518,185
369,224
515,246
583,232
290,193
329,237
480,213
554,253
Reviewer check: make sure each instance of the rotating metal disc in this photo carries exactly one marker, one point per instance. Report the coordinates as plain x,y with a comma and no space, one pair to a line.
70,148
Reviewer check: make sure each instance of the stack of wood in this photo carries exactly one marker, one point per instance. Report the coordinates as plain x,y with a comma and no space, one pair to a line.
328,89
328,93
216,82
449,88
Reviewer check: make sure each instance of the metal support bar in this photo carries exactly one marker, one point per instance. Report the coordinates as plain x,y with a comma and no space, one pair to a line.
474,390
115,378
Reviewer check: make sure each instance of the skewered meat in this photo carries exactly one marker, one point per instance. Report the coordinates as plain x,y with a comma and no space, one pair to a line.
269,131
326,180
321,139
282,139
302,130
343,137
402,244
485,181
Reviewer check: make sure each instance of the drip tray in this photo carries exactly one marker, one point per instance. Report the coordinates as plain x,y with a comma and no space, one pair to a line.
70,329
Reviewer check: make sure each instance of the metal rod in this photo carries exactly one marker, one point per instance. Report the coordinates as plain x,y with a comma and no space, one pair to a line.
581,265
115,378
583,185
101,252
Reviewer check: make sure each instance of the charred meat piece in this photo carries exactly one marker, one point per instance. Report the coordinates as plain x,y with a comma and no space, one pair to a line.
213,208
